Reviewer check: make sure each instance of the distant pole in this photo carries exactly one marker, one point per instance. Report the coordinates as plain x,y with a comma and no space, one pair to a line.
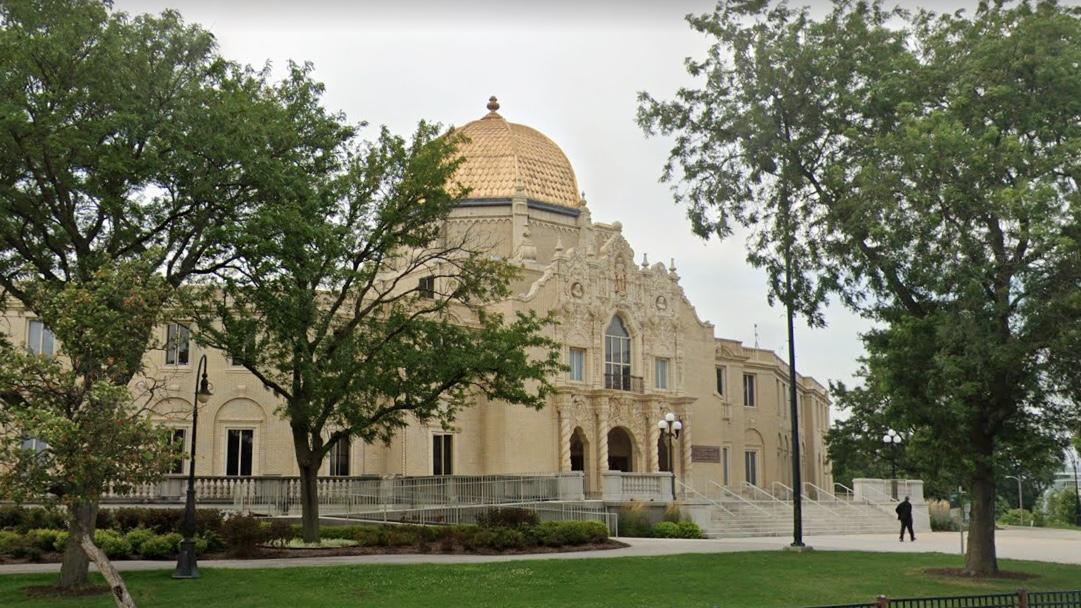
1077,493
797,482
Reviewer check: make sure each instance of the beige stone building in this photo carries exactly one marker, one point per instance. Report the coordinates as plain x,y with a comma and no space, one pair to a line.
635,347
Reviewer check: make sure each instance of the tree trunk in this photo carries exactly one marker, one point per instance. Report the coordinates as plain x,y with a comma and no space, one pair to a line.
981,559
74,570
309,502
116,584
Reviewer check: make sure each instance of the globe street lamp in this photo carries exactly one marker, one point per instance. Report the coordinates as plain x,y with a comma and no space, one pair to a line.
892,439
670,427
186,566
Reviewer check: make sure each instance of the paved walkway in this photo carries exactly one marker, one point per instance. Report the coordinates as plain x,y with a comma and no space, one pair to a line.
1039,544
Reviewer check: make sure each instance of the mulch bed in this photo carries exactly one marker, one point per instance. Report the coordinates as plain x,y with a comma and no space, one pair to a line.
1002,574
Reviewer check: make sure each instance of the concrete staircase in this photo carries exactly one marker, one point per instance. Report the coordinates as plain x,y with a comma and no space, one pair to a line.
750,511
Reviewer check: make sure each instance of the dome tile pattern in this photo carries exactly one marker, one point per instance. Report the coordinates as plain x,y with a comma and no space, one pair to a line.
498,154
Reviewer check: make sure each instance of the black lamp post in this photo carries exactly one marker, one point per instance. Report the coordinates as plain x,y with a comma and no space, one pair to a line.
670,427
892,439
186,566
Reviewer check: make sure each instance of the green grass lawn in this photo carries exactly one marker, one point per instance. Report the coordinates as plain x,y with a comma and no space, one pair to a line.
726,579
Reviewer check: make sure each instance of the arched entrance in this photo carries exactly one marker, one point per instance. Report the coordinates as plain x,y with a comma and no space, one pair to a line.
620,450
579,449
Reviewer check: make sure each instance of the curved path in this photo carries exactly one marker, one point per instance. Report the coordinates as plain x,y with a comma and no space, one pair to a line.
1037,544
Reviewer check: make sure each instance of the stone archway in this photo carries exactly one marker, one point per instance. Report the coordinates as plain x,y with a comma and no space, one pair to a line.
620,450
579,449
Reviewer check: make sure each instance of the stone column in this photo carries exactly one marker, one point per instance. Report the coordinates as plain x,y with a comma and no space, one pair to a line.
652,437
685,451
602,435
564,433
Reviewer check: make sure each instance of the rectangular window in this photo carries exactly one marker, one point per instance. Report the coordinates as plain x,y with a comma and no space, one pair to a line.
176,344
724,465
442,455
576,359
748,390
426,287
39,339
339,459
34,444
179,438
239,452
720,379
661,373
750,466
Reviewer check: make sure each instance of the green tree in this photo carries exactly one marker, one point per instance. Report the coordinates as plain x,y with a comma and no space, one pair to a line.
929,169
122,140
326,307
88,432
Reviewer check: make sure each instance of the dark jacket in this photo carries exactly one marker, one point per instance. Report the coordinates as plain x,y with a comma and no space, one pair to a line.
904,511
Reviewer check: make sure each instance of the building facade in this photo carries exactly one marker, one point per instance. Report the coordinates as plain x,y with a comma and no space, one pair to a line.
634,346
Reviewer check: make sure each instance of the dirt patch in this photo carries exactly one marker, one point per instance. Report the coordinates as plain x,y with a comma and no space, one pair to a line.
39,591
1001,575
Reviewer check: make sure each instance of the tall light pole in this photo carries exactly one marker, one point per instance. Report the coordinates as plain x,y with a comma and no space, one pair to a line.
1076,491
186,566
1020,497
670,427
892,439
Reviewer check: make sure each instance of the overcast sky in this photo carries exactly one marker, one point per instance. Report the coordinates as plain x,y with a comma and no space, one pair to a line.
570,69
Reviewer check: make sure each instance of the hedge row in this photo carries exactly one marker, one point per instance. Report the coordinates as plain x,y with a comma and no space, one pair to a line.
139,542
161,521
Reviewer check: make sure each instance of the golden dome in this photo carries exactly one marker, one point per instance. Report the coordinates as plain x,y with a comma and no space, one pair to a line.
499,156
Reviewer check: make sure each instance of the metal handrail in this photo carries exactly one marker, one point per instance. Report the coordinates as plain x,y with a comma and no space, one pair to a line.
851,492
772,490
725,490
704,497
807,497
755,490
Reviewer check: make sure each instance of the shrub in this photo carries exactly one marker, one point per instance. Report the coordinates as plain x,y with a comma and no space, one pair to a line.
666,529
941,518
634,521
160,546
137,536
23,519
689,529
280,532
508,517
60,543
9,541
243,534
161,521
112,544
1062,506
211,542
672,513
401,536
44,538
559,533
1021,517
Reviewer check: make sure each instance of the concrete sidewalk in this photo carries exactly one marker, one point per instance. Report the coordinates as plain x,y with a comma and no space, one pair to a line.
1038,544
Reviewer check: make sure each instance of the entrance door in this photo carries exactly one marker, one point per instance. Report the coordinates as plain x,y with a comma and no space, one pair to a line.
620,451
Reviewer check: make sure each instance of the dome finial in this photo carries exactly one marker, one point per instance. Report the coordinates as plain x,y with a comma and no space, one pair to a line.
493,103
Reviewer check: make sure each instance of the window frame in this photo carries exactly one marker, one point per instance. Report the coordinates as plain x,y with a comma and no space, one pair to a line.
617,361
45,335
178,465
336,461
752,401
750,466
426,287
240,466
172,345
658,376
443,445
581,368
720,379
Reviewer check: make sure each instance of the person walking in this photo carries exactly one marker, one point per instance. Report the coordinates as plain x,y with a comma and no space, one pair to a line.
904,515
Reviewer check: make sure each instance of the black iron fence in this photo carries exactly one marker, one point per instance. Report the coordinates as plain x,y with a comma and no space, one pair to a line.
1021,599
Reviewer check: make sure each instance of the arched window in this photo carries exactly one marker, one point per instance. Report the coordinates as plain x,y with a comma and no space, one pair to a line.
617,356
